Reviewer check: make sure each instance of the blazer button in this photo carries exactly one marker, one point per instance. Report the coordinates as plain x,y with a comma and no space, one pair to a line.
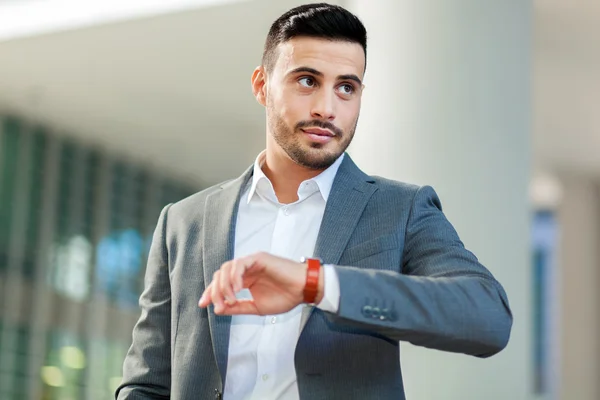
218,395
367,311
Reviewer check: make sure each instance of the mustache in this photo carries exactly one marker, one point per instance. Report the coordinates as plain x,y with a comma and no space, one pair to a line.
320,124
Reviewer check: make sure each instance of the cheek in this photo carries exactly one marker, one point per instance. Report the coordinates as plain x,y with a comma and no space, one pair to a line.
294,108
349,114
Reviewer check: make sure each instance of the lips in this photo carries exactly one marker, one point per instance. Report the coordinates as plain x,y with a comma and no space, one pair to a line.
317,135
318,132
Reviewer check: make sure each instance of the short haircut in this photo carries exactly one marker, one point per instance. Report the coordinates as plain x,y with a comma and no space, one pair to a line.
320,20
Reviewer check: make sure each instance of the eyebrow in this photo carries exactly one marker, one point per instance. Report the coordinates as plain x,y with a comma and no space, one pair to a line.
313,71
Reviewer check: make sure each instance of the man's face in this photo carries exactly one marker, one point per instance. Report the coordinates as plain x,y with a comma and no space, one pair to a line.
313,98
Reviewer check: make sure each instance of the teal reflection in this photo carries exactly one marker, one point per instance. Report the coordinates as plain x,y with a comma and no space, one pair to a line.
118,265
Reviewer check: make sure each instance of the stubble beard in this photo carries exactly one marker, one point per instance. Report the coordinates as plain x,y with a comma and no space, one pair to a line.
312,156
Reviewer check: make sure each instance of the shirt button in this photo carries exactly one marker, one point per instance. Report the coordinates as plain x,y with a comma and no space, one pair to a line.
265,377
286,211
273,320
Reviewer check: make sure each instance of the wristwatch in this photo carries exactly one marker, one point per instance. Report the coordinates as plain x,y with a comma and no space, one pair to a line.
311,287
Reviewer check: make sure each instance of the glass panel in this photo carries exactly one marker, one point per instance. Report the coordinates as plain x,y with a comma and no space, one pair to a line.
71,253
126,206
141,200
119,255
63,372
10,151
90,190
117,196
106,365
38,159
13,380
65,182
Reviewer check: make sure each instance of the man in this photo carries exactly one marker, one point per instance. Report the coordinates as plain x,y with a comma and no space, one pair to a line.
270,326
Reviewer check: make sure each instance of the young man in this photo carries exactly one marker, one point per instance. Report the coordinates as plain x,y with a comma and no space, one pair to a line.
270,326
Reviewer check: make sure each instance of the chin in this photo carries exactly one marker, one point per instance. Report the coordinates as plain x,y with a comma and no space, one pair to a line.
316,158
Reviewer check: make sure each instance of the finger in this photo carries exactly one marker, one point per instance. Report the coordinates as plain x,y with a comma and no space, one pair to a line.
244,266
246,306
225,285
252,262
217,296
206,297
236,276
252,259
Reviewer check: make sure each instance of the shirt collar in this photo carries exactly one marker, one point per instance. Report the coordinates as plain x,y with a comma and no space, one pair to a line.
324,180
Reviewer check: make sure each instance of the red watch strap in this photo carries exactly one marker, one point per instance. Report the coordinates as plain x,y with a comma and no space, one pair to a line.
312,280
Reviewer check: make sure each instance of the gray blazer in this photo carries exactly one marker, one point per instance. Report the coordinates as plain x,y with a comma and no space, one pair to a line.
404,275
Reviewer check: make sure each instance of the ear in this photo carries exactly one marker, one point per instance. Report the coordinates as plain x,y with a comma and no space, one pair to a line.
259,85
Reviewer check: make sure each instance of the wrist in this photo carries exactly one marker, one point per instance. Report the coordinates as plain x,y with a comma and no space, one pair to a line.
321,289
313,289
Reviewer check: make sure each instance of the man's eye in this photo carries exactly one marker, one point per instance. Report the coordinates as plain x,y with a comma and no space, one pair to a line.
307,81
347,89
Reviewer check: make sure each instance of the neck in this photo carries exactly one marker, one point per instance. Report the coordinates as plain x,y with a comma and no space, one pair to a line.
285,175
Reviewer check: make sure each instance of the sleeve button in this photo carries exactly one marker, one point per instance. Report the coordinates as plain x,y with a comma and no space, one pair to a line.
367,311
376,312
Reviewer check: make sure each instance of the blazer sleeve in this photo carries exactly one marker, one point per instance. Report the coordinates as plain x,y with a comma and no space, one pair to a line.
444,298
147,366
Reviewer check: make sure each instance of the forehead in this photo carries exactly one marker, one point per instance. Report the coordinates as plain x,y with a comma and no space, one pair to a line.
327,56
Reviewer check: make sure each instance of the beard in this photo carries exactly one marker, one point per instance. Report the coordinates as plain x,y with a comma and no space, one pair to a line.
314,155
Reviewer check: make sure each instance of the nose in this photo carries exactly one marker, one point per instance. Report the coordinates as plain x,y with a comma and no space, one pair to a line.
323,105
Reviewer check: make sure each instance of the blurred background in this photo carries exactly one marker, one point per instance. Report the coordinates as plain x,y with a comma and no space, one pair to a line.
111,110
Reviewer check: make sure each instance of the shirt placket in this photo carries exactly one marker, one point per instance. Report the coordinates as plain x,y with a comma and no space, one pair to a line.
266,358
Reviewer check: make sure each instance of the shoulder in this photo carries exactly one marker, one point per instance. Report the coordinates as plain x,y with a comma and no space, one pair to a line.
406,192
193,205
390,186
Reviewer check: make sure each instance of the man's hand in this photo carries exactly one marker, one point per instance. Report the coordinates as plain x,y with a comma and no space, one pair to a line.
276,285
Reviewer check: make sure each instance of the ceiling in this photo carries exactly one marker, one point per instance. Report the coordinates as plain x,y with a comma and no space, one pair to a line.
173,91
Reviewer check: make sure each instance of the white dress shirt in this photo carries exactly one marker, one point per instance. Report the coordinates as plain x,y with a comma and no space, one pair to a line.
260,364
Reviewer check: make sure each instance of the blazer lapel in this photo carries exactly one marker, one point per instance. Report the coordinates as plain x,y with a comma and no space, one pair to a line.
349,196
220,214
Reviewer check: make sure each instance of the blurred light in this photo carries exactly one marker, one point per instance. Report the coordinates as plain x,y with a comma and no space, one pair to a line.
546,191
114,382
53,376
118,263
72,357
72,264
42,16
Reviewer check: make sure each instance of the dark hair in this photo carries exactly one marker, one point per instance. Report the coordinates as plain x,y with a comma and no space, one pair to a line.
320,20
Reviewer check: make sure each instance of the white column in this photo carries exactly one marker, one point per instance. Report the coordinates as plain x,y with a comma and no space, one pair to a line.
447,103
579,216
